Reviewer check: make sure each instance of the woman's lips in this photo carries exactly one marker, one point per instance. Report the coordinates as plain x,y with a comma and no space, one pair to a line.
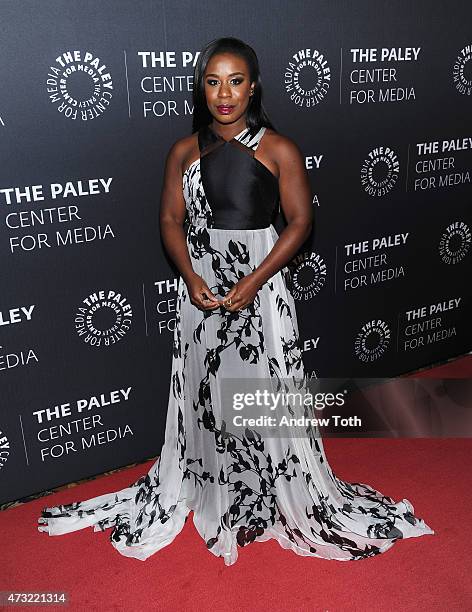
224,110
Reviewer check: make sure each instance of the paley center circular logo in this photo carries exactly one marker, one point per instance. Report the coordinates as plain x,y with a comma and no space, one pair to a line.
103,318
80,85
307,77
380,171
372,340
308,275
462,71
455,242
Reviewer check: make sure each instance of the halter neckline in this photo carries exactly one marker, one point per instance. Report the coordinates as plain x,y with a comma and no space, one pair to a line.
236,137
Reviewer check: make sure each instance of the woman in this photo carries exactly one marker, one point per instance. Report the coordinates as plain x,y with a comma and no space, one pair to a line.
236,319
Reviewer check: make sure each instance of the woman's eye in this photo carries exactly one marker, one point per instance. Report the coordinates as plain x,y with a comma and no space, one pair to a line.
236,81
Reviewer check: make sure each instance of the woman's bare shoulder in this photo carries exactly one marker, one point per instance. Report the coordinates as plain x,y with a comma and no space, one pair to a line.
183,150
282,147
184,145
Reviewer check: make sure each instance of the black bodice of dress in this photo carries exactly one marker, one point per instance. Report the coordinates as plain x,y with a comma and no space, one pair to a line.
240,190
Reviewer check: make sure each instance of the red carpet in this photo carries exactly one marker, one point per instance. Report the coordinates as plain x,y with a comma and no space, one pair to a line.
430,573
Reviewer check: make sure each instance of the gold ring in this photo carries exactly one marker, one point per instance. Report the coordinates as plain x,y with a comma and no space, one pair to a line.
228,302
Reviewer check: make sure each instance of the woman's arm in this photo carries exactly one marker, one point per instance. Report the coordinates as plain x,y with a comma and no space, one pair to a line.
172,213
295,200
171,219
296,203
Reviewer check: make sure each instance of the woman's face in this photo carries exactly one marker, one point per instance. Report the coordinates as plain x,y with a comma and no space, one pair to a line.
227,87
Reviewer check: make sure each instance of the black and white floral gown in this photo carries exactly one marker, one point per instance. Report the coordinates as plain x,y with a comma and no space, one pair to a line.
241,488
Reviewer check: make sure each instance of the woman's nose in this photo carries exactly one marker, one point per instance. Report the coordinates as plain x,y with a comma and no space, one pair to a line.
224,91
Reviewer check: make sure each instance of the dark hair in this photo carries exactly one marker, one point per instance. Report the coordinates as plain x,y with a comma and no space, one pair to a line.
255,113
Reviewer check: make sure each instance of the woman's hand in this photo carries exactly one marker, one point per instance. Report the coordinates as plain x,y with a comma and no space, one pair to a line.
200,295
242,293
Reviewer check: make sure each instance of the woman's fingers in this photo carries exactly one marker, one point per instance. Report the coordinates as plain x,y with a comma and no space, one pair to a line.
204,298
209,304
208,294
234,302
201,301
208,298
230,298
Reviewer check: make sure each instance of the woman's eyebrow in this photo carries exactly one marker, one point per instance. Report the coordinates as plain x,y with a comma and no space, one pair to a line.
232,74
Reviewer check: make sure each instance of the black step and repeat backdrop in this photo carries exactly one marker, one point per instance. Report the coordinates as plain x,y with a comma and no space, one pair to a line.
378,97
